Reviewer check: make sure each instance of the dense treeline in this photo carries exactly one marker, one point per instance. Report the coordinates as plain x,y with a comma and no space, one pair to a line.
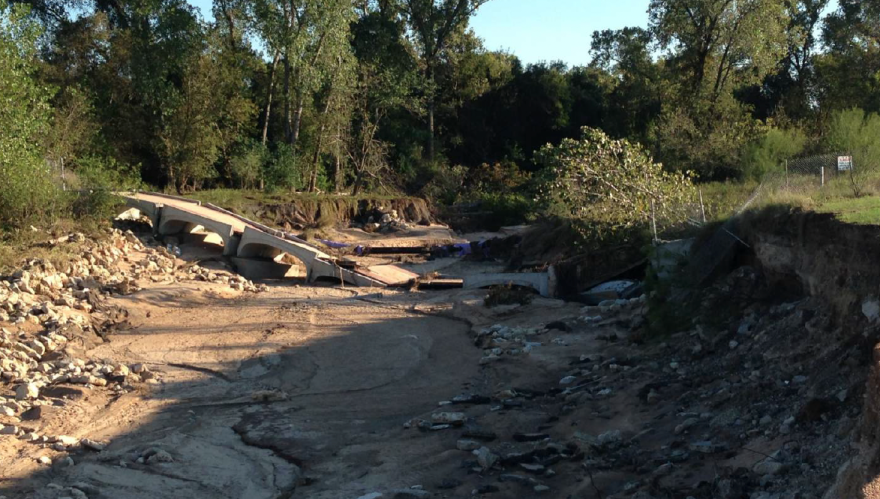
354,95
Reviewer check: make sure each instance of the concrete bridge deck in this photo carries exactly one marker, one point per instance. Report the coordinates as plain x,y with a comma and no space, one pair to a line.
247,241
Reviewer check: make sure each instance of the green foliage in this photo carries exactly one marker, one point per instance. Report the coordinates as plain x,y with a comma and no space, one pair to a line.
96,180
27,187
506,209
247,164
769,152
508,295
611,188
855,133
281,170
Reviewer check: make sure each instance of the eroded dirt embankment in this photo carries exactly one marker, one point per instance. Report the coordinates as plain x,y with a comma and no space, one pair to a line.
836,263
307,212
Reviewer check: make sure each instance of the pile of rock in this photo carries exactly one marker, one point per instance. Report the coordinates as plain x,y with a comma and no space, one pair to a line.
388,221
32,364
629,313
235,282
498,341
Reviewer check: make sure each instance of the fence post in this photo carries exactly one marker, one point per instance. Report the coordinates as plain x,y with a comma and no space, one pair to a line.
822,168
702,208
786,173
653,221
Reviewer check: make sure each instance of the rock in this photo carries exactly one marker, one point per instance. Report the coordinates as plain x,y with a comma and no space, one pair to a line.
664,469
532,468
688,423
27,391
567,380
44,460
453,418
541,488
611,438
65,392
530,437
871,309
467,445
154,456
485,458
66,440
93,444
38,412
9,430
768,467
372,495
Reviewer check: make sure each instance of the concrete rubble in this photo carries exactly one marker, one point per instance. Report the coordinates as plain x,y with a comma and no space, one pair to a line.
50,312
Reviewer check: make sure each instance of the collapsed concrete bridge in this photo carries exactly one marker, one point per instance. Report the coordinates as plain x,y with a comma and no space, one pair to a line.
251,245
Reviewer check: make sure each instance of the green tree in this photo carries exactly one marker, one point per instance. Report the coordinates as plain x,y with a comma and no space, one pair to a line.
433,22
767,154
610,188
855,133
24,118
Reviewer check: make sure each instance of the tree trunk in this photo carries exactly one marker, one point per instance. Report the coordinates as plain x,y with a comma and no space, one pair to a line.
288,132
431,114
313,178
337,168
267,113
297,120
358,181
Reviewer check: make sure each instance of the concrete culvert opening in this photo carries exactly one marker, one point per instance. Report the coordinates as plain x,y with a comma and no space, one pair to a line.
259,261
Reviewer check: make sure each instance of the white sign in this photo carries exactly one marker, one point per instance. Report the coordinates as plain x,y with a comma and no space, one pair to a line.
844,163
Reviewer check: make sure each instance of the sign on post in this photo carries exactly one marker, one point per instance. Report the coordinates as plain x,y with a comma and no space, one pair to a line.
844,163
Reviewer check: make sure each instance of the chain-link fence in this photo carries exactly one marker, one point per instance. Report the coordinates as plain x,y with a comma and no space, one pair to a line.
808,173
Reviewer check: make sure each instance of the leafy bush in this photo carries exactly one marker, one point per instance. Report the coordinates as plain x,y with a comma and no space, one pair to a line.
246,166
27,188
505,209
768,153
281,171
855,133
610,188
508,295
97,178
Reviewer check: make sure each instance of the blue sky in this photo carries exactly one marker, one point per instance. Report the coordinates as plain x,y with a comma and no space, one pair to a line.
549,30
543,30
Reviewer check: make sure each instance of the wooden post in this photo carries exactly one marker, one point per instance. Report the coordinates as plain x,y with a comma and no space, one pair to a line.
822,170
702,208
786,173
654,221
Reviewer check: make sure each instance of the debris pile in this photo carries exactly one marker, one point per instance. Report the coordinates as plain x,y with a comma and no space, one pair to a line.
385,221
758,399
498,341
54,314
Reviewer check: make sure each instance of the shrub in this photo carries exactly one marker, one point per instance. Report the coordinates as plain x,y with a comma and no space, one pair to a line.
767,154
27,188
855,133
247,164
281,171
97,178
610,188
